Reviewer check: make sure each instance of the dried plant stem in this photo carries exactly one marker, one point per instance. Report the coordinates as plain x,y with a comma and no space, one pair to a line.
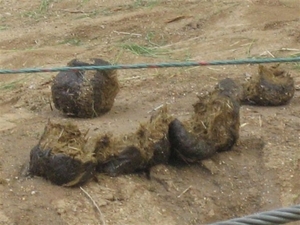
184,191
95,204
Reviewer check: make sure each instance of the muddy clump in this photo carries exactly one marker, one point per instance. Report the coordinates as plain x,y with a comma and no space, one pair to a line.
146,147
270,87
187,145
214,127
218,113
85,94
61,156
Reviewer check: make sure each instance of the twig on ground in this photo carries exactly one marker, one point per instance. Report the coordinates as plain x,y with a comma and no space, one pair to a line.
260,120
270,54
244,124
216,69
132,78
50,104
95,204
289,49
74,11
184,191
127,33
61,133
156,108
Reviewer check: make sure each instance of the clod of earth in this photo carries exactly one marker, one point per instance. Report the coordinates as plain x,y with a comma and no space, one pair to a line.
61,156
146,147
85,94
270,87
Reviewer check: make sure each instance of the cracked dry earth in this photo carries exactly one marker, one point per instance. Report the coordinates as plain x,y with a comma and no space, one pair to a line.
260,173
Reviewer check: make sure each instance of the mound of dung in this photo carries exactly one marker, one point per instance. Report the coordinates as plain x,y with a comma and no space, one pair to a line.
214,127
270,87
61,156
187,145
217,115
85,94
140,150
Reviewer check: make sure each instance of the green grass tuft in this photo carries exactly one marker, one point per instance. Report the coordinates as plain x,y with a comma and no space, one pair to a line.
3,28
296,65
40,12
144,3
6,86
72,41
44,6
143,50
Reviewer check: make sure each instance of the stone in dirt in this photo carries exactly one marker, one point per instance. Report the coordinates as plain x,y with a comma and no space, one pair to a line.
85,94
61,156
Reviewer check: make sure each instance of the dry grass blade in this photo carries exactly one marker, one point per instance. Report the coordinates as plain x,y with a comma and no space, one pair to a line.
127,33
290,49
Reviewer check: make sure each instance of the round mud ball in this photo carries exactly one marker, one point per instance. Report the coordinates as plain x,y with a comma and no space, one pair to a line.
270,87
61,156
85,94
188,146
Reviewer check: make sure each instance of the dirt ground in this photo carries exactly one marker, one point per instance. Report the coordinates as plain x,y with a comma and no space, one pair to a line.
260,173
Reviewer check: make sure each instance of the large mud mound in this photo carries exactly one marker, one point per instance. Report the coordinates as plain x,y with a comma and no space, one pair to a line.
214,127
61,156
